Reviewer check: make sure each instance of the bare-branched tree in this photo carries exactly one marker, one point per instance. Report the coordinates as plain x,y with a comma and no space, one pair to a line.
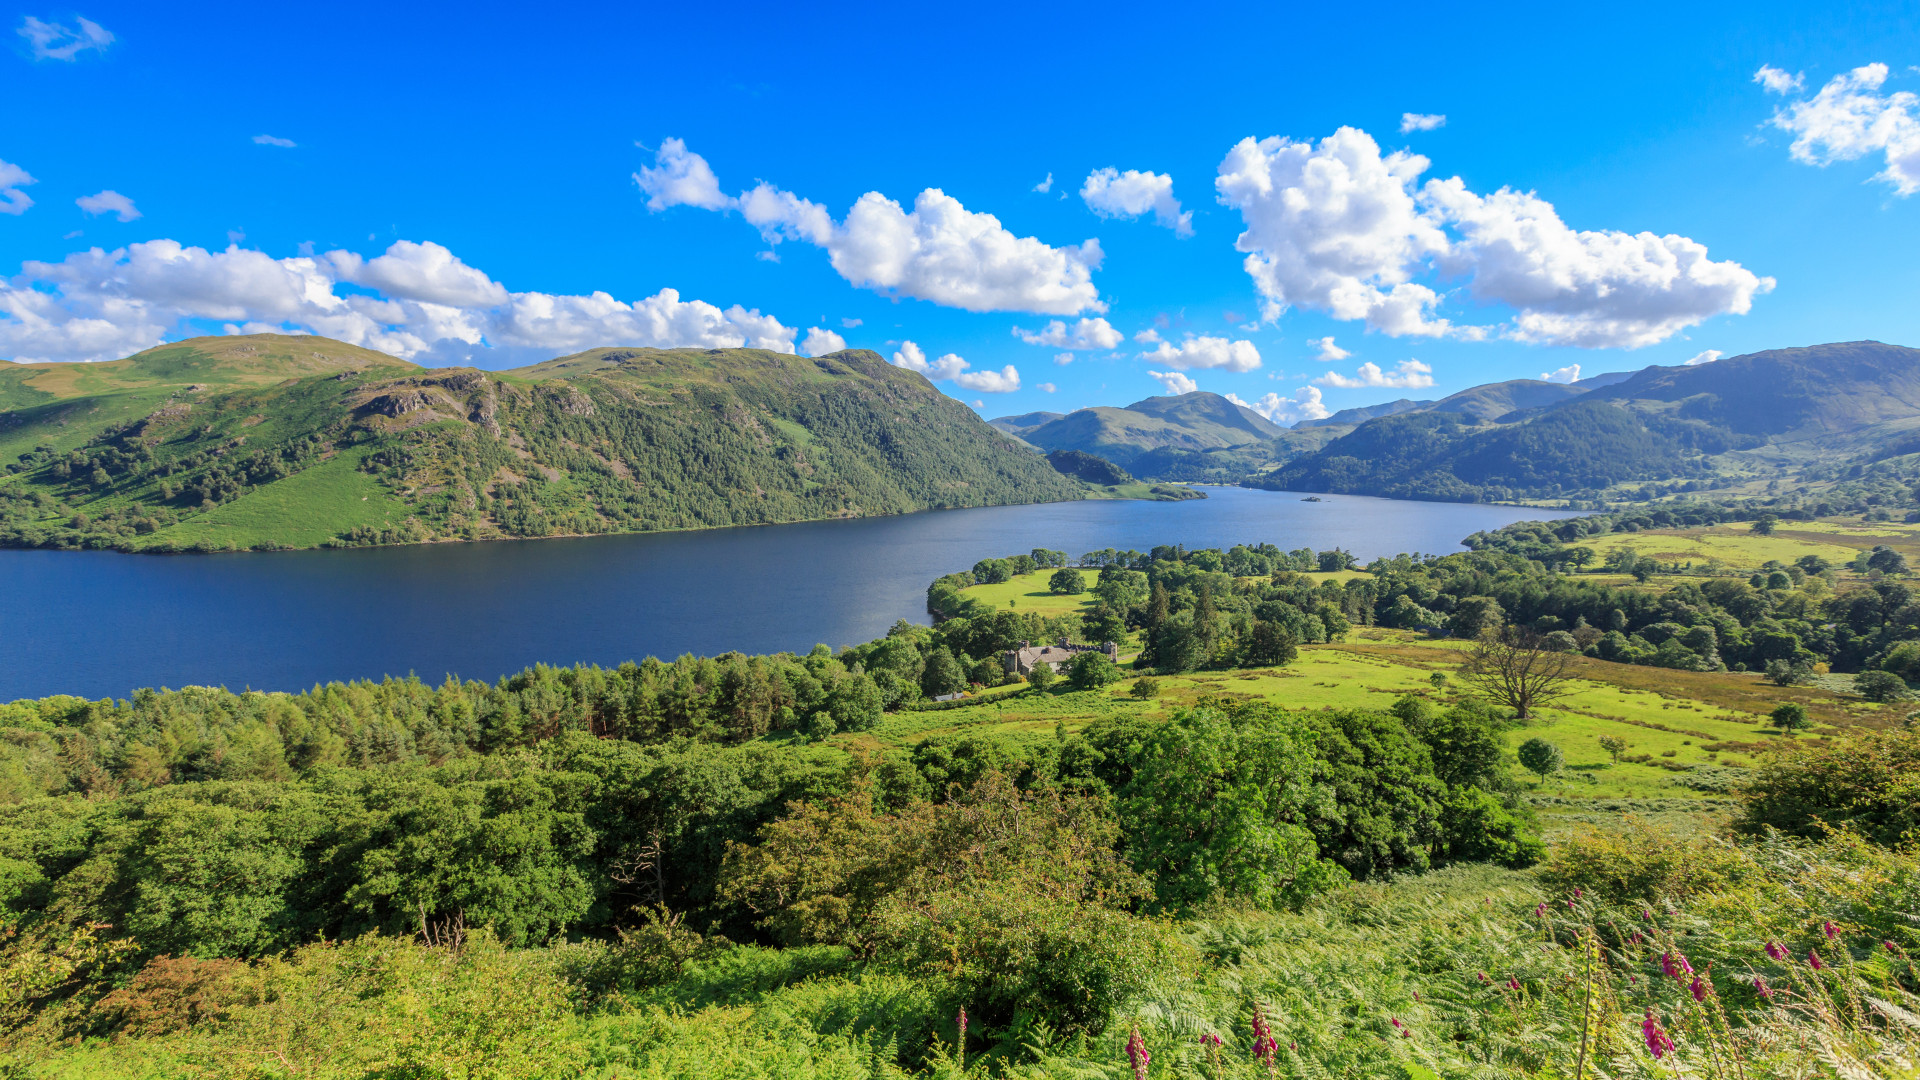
1513,667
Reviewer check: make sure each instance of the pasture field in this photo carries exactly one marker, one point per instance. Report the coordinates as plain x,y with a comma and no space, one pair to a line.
303,510
1737,547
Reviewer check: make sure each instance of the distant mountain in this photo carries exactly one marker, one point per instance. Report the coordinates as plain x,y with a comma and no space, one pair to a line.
1348,417
1753,415
279,441
1199,421
1025,422
1608,378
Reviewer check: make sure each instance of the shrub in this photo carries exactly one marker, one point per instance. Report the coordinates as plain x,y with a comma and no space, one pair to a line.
1092,670
1041,676
1881,686
1636,860
1145,688
1789,717
1869,781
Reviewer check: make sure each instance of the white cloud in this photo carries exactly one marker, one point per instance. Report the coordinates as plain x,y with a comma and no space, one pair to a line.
1093,333
1849,118
1411,122
108,202
1044,186
1206,352
1329,352
426,272
1063,359
1305,404
1048,387
1777,81
680,178
1004,381
1569,374
1114,194
1407,375
274,140
1174,382
1340,228
1707,357
851,324
423,302
58,41
939,251
953,369
1149,336
12,179
820,342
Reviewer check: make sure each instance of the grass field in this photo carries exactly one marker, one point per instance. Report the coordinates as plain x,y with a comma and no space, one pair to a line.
302,510
1736,547
1694,729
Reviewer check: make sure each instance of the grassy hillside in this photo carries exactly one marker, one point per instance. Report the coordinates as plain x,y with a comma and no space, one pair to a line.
1195,422
272,441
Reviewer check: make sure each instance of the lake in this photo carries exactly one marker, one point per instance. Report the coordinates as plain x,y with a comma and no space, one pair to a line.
100,624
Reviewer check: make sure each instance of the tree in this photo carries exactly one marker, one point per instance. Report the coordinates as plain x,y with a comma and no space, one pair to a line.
943,674
1091,671
1763,525
1067,582
1880,686
1041,676
1787,672
1145,688
1511,668
1884,559
1615,746
1540,756
1580,557
1790,717
1474,616
1270,645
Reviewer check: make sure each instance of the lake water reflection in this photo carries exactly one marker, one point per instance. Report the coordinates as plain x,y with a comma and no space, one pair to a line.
100,624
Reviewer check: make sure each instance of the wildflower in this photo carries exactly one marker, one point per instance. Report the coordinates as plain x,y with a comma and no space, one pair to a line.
1577,894
1416,995
960,1021
1540,912
1698,989
1830,930
1210,1039
1675,966
1264,1044
1647,914
1405,1033
1137,1053
1569,905
1760,986
1813,960
1777,950
1658,1041
1513,983
1483,975
1891,947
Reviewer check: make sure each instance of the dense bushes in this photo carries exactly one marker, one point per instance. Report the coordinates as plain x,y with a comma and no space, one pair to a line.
1868,782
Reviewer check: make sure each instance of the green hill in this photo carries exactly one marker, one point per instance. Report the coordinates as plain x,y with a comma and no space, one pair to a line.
276,441
1771,415
1197,422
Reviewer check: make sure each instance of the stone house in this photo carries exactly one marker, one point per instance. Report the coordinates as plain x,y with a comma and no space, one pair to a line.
1023,660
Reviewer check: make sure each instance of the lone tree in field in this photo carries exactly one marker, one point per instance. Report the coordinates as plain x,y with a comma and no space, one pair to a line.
1790,717
1513,667
1541,756
1067,581
1615,746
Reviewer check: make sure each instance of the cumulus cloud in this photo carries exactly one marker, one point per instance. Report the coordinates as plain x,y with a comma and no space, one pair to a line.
938,251
952,368
1569,374
1206,352
1407,375
1114,194
419,301
1048,387
274,140
680,178
1411,122
1063,359
1044,186
12,179
1305,404
1777,81
1086,334
851,324
1329,352
1707,357
58,41
1849,118
1340,227
1174,382
1149,336
108,202
820,341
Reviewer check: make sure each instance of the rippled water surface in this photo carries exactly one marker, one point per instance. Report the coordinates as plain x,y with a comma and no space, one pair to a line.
100,624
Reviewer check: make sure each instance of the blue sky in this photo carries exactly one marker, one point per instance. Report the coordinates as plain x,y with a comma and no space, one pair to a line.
457,184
